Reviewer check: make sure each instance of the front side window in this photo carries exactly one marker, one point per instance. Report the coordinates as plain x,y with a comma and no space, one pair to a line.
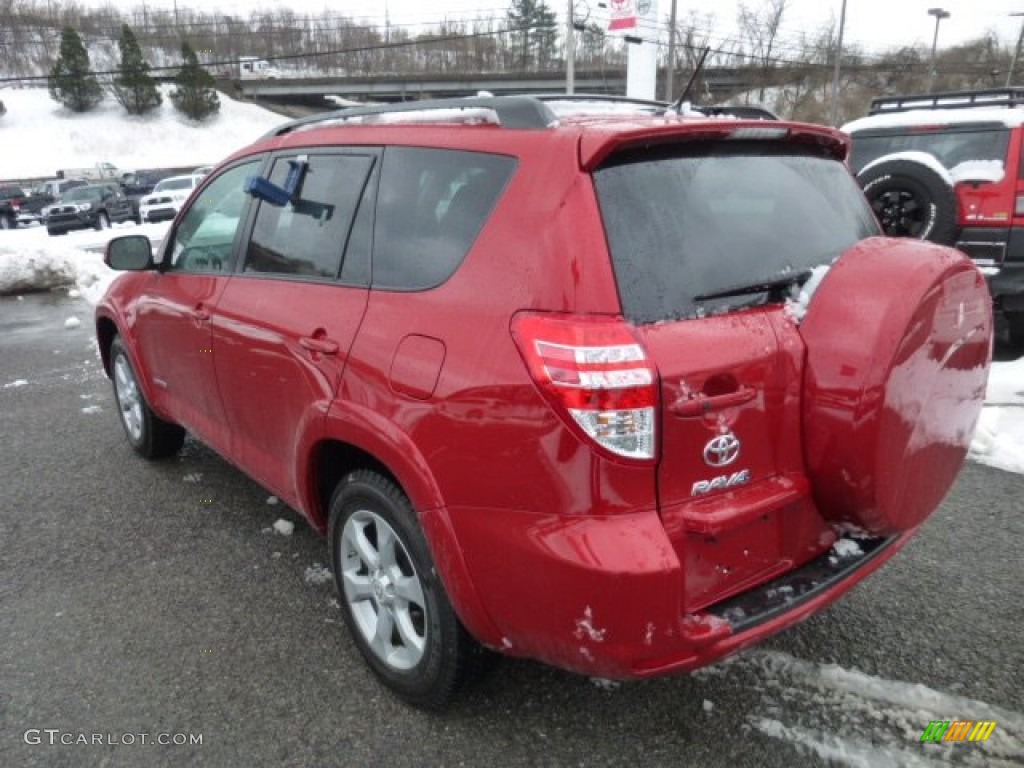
687,222
205,238
431,206
306,237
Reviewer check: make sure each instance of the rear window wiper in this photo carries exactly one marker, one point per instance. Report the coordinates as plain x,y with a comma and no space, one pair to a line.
765,285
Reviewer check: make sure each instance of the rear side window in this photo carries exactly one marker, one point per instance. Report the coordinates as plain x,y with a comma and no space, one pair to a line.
431,206
307,237
949,147
685,222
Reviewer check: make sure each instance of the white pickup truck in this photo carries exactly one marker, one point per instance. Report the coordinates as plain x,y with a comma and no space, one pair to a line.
97,172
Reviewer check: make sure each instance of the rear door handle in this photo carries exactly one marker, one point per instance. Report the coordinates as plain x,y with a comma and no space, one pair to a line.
199,313
697,405
322,346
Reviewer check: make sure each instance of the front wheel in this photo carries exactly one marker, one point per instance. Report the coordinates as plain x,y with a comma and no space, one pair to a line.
149,435
102,221
391,595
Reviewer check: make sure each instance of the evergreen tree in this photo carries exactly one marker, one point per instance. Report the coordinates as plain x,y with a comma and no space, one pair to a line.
534,33
194,94
134,88
71,81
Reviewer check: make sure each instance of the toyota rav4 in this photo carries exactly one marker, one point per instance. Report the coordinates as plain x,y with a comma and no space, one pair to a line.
625,391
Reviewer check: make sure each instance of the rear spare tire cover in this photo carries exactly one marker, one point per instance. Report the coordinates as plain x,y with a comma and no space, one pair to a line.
911,199
898,339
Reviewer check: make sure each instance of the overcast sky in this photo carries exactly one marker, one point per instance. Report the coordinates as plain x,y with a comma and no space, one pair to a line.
874,24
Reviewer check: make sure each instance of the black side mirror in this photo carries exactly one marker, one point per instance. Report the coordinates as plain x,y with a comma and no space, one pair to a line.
132,253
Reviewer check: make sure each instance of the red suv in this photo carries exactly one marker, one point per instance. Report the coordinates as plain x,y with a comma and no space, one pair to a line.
549,381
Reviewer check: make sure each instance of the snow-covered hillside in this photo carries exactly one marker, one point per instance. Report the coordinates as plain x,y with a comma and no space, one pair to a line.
38,135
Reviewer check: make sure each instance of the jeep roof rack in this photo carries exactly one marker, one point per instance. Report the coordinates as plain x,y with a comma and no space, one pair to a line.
521,112
991,97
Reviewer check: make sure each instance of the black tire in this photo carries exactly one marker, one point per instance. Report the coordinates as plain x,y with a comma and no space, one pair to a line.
370,506
150,436
102,220
911,199
6,222
55,232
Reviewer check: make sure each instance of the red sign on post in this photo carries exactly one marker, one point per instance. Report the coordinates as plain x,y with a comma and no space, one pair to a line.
623,15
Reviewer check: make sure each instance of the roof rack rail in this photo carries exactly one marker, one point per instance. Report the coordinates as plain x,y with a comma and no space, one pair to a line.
600,97
518,112
990,97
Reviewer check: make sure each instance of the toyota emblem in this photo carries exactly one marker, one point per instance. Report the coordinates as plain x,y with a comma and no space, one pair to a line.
722,450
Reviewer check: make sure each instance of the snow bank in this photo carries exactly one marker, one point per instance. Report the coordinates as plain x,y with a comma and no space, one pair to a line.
999,438
36,268
40,136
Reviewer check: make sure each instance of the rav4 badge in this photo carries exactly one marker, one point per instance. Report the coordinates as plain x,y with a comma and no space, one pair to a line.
721,482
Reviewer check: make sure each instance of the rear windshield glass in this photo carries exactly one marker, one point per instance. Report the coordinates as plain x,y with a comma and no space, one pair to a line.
684,222
950,147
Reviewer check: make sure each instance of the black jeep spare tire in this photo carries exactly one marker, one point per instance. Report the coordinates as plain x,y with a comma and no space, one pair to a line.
911,199
898,349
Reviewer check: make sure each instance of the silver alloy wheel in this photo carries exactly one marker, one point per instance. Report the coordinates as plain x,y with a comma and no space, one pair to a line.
383,590
128,397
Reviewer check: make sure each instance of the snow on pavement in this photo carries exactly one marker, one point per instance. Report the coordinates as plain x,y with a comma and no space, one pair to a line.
999,437
850,718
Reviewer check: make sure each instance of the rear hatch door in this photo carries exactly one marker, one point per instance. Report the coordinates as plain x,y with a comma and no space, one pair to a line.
707,239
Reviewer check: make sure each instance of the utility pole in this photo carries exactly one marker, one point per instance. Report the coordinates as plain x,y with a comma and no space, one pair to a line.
669,85
939,14
835,76
570,51
1016,51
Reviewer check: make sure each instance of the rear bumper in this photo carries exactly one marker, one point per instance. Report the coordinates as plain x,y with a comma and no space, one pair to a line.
602,596
999,253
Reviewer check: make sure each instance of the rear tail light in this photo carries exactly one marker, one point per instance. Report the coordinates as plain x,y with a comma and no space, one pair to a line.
596,373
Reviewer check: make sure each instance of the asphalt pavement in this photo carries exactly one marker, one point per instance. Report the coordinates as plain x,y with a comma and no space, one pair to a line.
143,602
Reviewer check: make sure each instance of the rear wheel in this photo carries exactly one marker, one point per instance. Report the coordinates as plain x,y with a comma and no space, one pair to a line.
392,598
149,435
911,199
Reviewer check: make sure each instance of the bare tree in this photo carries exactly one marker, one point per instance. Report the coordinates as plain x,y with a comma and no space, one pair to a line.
760,30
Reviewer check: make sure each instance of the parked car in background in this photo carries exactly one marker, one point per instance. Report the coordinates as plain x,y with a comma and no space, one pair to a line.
947,167
12,199
94,206
167,197
54,188
622,391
